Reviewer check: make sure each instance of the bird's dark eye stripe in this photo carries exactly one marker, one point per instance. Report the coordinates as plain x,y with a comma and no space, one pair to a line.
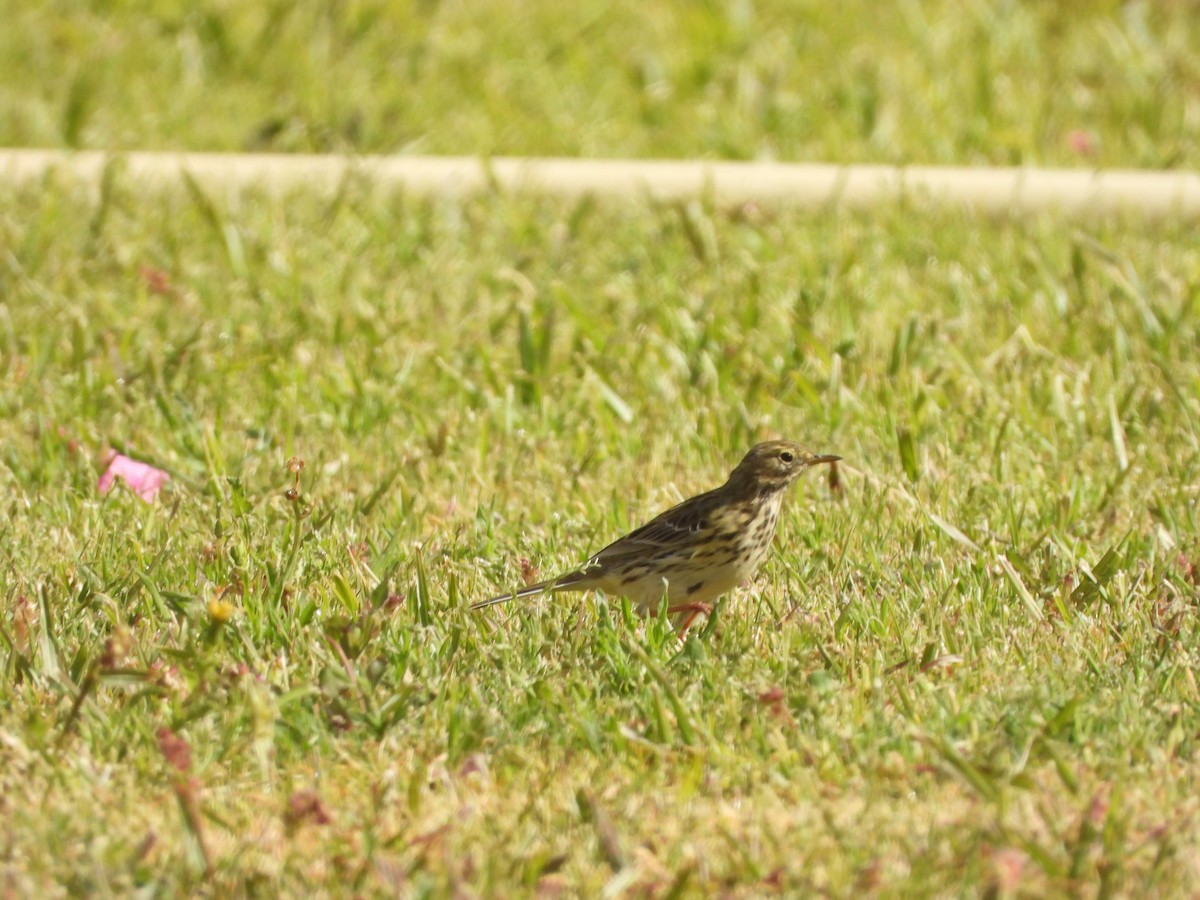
786,456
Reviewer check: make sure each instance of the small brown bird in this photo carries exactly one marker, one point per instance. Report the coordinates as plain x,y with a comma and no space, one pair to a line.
698,550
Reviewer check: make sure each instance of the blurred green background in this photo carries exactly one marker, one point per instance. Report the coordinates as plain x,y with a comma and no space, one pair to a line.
1073,83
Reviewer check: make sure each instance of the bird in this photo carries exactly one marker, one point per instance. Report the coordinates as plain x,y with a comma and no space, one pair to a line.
695,551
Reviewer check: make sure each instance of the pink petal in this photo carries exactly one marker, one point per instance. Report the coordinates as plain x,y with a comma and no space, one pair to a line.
1081,142
143,479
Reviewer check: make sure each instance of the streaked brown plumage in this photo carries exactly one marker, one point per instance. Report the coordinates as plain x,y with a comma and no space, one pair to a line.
698,550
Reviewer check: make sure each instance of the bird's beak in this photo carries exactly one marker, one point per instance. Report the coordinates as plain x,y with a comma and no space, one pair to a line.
817,460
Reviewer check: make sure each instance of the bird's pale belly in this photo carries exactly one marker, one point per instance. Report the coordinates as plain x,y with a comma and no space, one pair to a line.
689,584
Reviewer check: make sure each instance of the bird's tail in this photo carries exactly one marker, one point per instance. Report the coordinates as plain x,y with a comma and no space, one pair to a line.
571,579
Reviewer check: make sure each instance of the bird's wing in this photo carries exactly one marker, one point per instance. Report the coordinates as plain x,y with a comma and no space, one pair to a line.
673,529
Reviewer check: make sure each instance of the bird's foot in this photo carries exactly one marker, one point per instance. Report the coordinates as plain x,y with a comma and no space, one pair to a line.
695,610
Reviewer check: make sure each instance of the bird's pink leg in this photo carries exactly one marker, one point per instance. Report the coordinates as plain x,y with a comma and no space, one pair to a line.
696,610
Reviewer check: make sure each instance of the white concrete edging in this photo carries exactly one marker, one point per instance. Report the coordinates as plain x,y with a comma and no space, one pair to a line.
1004,191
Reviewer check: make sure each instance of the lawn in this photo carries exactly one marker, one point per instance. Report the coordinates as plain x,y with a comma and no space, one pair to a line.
968,667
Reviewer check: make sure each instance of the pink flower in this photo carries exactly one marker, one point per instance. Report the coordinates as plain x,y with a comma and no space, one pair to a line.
143,479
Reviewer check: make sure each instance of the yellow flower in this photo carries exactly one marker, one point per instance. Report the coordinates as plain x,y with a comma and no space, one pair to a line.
221,611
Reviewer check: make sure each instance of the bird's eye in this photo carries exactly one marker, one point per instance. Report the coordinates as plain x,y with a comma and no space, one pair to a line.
787,456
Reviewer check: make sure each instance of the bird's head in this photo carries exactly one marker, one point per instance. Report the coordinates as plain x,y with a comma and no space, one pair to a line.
773,465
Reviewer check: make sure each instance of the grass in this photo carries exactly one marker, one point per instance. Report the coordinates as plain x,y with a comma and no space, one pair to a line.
1002,83
970,668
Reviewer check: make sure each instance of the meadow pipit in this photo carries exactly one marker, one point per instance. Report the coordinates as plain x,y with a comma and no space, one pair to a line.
696,551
